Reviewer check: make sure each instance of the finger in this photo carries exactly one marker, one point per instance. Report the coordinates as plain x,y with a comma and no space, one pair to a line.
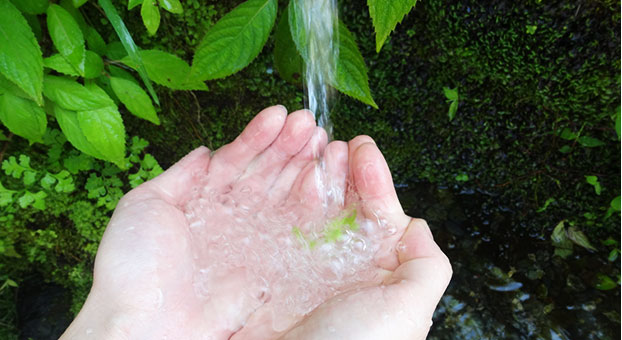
175,184
230,161
379,201
263,171
314,147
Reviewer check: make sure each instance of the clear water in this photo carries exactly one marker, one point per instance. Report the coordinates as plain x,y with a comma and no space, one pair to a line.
277,255
320,20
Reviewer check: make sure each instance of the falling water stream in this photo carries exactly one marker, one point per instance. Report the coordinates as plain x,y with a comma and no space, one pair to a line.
320,20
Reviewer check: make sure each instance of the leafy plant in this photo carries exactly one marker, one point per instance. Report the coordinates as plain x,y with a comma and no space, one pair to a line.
452,99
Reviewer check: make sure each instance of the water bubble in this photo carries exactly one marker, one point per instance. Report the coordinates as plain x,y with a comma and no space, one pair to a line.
400,247
245,190
391,230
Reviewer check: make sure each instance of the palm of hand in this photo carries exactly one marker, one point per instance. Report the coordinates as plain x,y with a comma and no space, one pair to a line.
156,255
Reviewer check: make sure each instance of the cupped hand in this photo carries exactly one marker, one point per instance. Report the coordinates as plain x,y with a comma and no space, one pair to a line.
152,254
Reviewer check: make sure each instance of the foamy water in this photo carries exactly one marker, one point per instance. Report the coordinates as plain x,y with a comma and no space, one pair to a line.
288,258
320,21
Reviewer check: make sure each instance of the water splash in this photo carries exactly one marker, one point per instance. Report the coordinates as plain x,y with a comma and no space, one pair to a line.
320,21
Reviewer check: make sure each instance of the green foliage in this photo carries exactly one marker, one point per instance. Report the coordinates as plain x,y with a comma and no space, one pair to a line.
54,207
135,99
235,40
167,69
22,117
151,16
20,56
386,15
351,70
287,60
67,37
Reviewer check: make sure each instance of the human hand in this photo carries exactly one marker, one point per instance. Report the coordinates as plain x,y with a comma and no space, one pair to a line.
146,268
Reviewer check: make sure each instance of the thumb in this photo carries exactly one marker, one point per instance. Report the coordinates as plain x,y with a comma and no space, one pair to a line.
174,184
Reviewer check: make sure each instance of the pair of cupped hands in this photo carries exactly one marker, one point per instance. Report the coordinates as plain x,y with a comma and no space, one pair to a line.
143,276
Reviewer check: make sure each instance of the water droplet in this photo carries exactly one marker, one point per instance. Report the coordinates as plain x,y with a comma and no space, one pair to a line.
400,247
89,331
391,230
245,190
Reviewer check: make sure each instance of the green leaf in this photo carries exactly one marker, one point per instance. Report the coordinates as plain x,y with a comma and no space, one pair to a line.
59,64
235,40
121,73
23,117
20,56
78,3
453,108
531,29
35,25
287,60
67,36
605,282
615,204
7,86
94,41
590,142
36,200
71,95
567,134
579,238
133,3
297,28
593,180
68,122
115,50
565,149
450,94
32,6
546,204
94,65
386,15
104,129
75,14
462,177
128,44
19,169
151,16
173,6
167,70
559,233
613,255
6,196
351,71
65,182
135,99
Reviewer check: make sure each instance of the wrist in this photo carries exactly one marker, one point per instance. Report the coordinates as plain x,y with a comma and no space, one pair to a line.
98,320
